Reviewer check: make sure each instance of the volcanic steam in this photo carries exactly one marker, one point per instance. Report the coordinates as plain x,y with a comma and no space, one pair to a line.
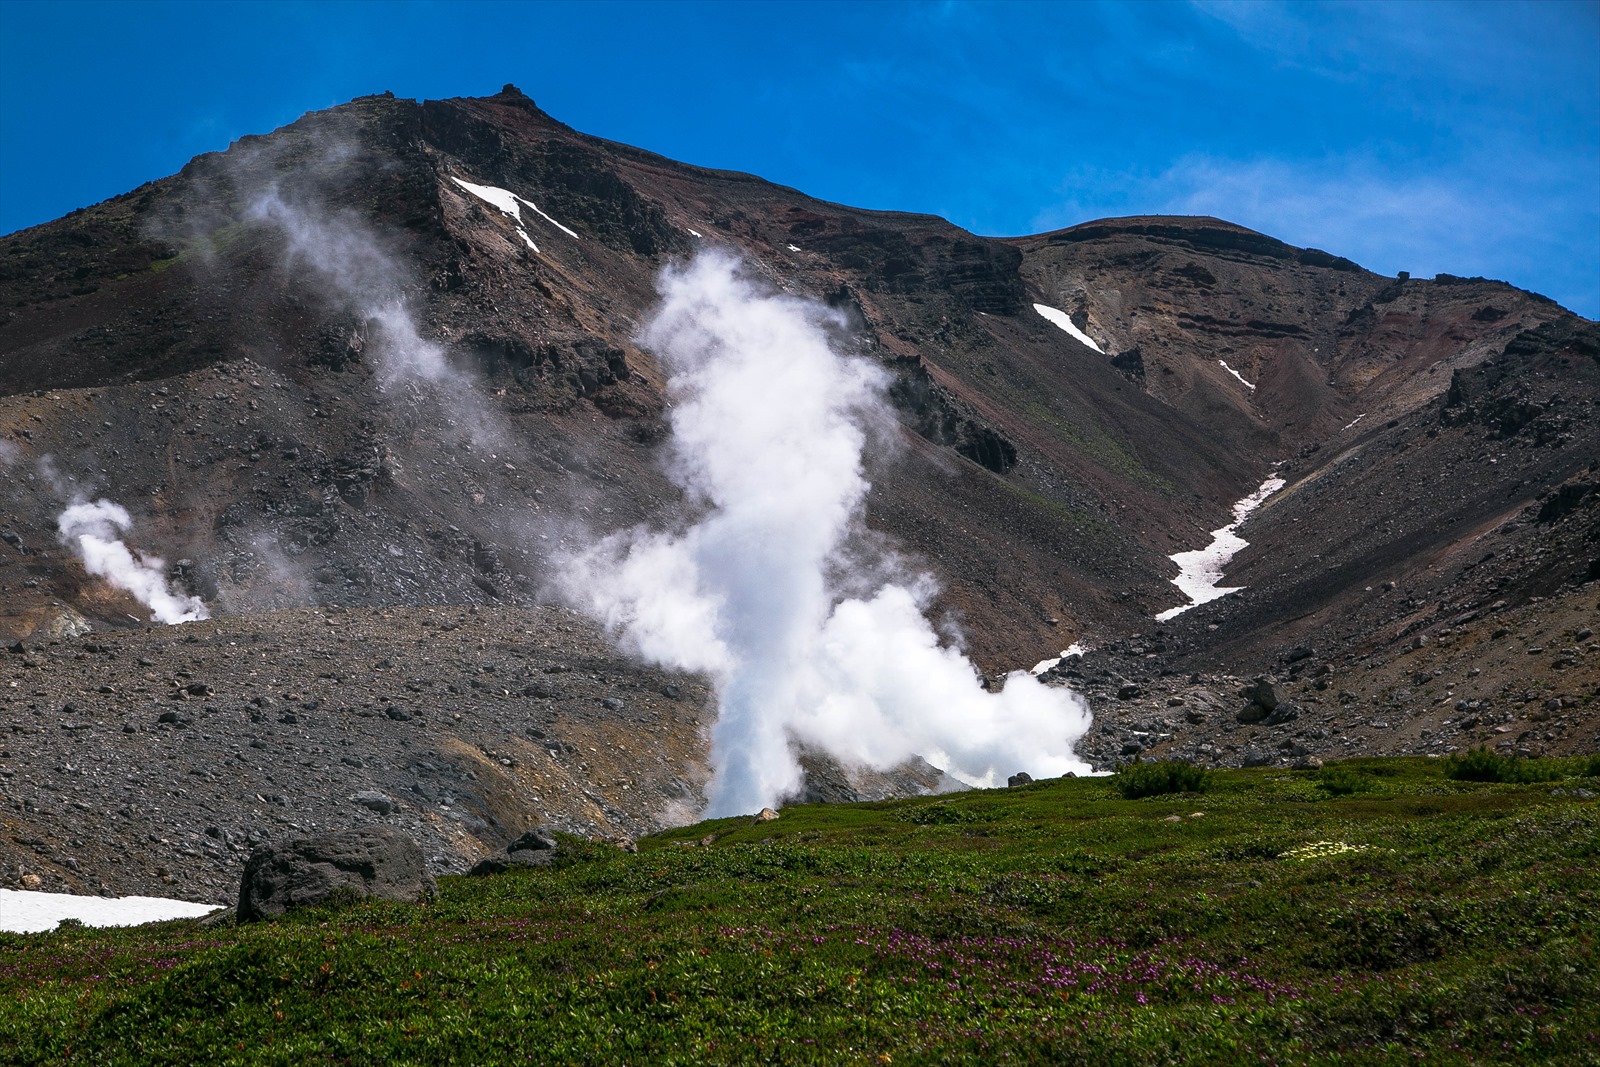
94,532
769,591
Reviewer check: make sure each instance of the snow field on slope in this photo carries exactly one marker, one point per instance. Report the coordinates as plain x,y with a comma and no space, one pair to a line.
510,205
1248,385
1063,320
24,911
1075,649
1200,571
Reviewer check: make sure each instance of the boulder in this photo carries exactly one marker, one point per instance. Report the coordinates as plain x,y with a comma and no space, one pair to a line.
539,839
1021,778
374,801
523,857
373,862
1284,712
536,848
1252,712
1261,691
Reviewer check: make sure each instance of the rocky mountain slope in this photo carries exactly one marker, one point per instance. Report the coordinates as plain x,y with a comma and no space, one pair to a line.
385,360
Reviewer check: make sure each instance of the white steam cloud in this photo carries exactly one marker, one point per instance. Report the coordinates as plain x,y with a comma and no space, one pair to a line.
94,531
351,259
769,426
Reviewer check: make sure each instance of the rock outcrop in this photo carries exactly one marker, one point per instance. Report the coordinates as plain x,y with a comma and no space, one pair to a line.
349,865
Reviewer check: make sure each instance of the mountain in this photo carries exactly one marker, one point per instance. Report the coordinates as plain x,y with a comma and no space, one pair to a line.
358,379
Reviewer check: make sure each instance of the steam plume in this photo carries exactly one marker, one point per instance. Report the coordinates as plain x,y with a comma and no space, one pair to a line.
93,532
769,427
352,260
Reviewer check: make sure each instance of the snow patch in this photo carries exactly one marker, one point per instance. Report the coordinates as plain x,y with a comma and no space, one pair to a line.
1074,649
1200,571
24,911
1352,422
1063,320
1248,385
693,232
510,205
531,206
505,201
792,248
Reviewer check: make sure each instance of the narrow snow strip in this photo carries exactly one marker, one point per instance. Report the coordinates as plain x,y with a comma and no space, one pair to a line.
1200,571
502,199
1063,320
1248,385
1352,422
1075,649
547,218
24,911
694,233
792,248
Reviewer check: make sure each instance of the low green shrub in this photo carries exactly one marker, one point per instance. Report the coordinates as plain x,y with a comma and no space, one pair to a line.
1481,765
1340,781
1155,779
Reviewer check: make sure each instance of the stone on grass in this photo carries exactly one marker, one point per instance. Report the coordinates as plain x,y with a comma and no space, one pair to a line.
369,862
536,848
538,839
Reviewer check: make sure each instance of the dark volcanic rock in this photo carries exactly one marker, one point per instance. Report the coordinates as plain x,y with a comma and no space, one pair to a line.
538,840
1262,691
536,848
1284,711
353,863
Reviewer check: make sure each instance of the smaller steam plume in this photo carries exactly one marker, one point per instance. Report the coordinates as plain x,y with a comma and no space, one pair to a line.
768,591
346,255
94,531
359,270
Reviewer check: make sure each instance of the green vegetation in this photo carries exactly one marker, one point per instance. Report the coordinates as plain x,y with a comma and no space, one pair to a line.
1342,780
1482,765
1270,920
1140,779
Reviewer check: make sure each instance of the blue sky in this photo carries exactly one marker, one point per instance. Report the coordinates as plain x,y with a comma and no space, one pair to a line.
1422,136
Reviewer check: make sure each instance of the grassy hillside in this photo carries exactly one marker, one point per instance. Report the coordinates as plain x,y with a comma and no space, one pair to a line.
1376,913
